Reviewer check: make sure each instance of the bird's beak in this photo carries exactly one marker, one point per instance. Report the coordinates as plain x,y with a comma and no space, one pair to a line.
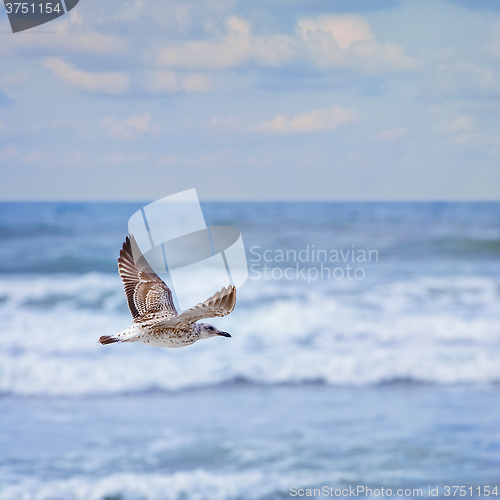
224,334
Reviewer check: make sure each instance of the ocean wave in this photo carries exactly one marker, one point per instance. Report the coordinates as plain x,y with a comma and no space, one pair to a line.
31,375
425,330
198,484
102,291
88,291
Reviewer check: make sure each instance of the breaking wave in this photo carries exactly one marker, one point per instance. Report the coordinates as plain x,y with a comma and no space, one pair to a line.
425,330
198,484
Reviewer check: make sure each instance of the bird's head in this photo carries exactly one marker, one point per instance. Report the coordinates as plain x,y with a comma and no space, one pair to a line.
206,331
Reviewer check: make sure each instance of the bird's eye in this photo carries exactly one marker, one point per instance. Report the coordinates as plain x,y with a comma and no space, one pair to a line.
211,328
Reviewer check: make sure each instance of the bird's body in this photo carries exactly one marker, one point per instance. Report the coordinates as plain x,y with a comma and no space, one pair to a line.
156,321
158,333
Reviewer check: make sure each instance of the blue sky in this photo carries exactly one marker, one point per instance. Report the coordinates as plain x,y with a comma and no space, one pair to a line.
312,100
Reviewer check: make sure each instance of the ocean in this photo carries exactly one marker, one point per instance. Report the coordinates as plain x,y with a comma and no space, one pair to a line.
364,355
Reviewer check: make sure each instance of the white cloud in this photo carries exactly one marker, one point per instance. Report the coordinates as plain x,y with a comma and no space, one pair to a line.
344,29
11,153
162,82
462,130
317,120
93,43
131,128
8,153
107,82
14,155
229,122
393,134
71,35
458,124
168,82
348,41
13,79
326,41
457,75
237,47
473,139
32,157
239,26
195,82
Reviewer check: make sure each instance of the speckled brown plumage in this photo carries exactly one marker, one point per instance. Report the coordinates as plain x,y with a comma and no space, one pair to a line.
156,321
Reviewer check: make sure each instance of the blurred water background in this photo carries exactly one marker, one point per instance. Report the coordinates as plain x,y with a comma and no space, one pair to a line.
388,381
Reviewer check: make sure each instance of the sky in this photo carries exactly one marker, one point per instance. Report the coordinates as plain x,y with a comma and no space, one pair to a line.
254,100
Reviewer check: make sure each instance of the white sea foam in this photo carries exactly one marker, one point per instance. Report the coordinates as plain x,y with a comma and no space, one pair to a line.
196,485
443,331
181,485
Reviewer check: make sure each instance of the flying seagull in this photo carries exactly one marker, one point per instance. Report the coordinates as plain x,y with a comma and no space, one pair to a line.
156,321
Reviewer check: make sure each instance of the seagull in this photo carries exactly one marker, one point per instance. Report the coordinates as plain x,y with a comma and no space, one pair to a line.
156,321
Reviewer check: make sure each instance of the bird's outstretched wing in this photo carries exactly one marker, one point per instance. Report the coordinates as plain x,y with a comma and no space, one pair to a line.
220,304
147,295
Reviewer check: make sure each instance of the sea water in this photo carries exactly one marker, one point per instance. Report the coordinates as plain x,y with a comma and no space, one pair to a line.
387,378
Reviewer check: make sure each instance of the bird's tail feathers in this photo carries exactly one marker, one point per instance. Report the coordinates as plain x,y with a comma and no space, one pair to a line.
108,339
131,334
